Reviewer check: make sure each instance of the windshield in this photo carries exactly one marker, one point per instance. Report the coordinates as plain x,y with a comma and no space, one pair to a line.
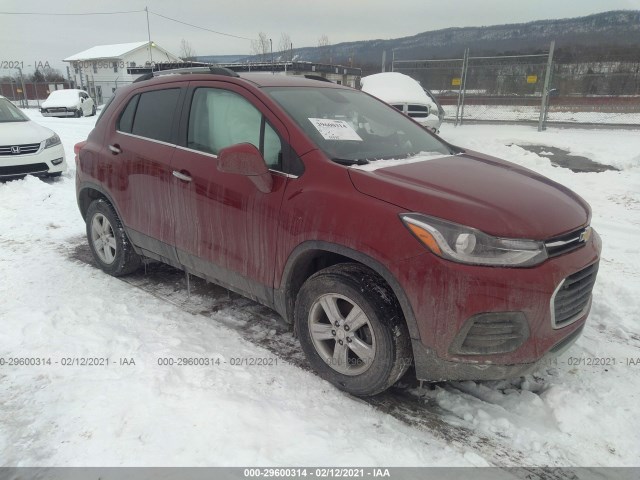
351,127
10,113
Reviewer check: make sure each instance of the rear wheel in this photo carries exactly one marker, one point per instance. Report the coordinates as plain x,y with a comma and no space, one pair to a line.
110,247
79,112
93,110
352,330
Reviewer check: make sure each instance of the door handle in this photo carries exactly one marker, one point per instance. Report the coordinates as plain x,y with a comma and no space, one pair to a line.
115,149
181,176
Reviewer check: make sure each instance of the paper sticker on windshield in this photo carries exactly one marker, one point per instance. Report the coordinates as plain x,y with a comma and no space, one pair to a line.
335,129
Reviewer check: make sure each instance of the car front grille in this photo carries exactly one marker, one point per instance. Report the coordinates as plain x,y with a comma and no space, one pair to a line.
567,242
573,297
15,170
25,149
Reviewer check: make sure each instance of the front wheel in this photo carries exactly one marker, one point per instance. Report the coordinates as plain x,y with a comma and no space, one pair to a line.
110,247
352,330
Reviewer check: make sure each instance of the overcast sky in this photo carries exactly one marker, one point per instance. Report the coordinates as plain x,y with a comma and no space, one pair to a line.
40,38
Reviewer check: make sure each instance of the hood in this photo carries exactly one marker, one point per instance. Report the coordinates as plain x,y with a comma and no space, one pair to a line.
472,189
20,133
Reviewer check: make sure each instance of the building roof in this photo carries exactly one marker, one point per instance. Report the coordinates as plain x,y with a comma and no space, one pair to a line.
106,51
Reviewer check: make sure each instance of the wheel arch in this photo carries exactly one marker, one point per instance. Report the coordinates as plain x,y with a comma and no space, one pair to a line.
89,192
312,256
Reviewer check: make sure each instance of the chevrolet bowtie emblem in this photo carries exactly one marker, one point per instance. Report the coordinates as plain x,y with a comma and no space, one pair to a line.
586,235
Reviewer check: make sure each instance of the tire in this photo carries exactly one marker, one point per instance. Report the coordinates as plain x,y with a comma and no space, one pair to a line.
79,113
54,175
376,349
117,256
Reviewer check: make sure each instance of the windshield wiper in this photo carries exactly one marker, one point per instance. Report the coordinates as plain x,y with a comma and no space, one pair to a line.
347,161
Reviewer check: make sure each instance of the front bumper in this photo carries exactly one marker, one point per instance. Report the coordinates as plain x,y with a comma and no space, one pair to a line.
46,161
445,295
67,113
431,368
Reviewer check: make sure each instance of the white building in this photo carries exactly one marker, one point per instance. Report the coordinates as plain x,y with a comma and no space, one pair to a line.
102,69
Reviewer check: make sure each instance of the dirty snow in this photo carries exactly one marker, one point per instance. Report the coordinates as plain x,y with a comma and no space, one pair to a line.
145,414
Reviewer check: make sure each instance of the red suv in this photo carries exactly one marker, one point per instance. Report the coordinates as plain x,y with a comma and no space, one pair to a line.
382,244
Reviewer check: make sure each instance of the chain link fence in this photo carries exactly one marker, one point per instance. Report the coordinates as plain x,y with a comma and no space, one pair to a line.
29,94
531,88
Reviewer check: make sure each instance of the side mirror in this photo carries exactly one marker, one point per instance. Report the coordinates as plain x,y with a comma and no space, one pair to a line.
245,159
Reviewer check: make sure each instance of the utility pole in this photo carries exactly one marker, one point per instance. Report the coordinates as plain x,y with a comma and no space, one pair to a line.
272,65
146,9
384,59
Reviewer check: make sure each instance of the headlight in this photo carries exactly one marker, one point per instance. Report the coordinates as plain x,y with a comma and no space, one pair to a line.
52,141
468,245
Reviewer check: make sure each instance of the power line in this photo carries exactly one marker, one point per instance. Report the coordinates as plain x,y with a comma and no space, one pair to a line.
201,28
70,14
125,12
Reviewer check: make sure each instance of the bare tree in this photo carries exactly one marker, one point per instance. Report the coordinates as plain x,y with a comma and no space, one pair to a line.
284,46
187,52
325,49
261,47
52,75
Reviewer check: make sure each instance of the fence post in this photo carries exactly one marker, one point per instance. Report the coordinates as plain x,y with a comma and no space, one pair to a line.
545,90
463,75
464,83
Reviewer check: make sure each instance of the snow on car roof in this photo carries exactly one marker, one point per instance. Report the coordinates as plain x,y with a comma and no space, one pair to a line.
106,51
393,87
68,94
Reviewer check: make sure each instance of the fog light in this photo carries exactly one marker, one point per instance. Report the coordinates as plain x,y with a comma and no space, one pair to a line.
57,161
491,333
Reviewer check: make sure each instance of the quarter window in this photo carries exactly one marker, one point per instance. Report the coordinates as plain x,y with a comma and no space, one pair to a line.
125,122
220,118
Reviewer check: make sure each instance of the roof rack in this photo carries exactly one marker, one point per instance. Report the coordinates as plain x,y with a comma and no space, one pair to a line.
183,71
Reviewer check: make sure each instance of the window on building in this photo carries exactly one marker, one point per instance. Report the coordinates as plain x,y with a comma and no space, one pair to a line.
95,67
115,67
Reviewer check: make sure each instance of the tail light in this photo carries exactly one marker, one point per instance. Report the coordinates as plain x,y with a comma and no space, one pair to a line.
76,150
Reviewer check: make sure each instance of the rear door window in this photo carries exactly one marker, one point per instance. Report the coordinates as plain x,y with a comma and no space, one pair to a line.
155,113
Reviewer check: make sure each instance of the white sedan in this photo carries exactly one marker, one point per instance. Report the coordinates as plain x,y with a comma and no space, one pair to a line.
68,103
27,148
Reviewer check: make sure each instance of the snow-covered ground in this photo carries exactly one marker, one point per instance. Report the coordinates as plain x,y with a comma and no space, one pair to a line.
520,113
56,307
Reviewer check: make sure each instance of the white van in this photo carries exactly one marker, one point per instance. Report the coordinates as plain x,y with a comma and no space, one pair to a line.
405,94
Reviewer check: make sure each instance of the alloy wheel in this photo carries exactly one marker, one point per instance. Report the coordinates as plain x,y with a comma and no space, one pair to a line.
342,334
103,238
